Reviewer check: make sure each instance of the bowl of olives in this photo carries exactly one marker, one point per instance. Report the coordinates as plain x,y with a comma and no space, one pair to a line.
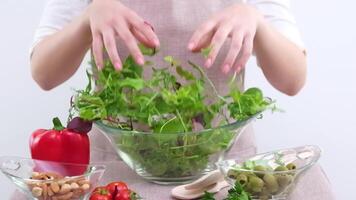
271,175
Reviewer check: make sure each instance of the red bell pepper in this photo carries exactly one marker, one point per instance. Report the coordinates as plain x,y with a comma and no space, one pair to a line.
64,145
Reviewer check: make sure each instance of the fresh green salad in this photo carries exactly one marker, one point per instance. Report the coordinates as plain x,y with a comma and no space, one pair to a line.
174,99
165,102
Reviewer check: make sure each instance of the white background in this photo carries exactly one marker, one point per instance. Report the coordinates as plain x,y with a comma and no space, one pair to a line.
323,113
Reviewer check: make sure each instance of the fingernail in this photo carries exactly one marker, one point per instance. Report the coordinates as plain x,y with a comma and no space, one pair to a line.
156,42
226,68
98,66
238,69
191,46
147,23
208,63
140,61
117,65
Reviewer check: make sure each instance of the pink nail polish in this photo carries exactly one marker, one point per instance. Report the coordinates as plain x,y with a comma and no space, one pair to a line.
118,65
226,68
156,42
208,63
238,69
140,61
191,46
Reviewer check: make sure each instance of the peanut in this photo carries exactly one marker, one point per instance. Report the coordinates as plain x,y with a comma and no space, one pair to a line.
62,182
85,187
74,186
82,182
55,187
77,193
64,196
45,191
65,189
37,191
50,191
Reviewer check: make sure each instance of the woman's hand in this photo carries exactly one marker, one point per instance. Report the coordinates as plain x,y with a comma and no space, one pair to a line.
110,19
240,23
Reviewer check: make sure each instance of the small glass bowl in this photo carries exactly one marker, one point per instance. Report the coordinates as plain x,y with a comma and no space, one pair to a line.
174,158
270,183
47,180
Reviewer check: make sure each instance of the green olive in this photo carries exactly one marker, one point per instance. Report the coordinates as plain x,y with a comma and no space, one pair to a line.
255,184
260,168
271,183
242,179
232,173
291,166
281,168
264,197
284,180
264,192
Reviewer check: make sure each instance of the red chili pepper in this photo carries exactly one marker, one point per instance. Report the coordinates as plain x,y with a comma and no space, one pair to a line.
65,145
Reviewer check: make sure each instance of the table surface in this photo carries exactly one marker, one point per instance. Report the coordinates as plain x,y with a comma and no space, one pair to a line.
313,185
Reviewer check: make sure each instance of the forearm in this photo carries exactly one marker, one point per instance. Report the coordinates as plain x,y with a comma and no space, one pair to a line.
282,62
56,58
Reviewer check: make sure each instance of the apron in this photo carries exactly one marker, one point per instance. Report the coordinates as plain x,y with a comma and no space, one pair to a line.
174,22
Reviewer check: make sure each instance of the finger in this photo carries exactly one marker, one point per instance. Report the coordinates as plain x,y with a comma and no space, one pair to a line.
204,42
145,28
111,48
235,47
131,44
246,51
97,46
140,37
216,43
200,32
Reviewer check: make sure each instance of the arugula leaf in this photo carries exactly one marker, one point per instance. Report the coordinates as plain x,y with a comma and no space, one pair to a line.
137,84
170,60
235,193
147,51
184,73
248,103
208,196
206,51
238,193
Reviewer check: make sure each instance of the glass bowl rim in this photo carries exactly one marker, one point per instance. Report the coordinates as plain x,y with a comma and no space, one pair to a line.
314,160
98,167
229,126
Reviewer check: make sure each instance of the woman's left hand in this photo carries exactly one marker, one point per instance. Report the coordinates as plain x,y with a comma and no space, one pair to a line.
240,23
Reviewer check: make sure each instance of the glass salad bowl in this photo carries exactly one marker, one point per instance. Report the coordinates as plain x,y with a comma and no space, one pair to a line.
46,180
173,158
271,175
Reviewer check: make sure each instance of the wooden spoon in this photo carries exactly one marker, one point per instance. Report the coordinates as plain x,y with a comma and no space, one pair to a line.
212,182
206,180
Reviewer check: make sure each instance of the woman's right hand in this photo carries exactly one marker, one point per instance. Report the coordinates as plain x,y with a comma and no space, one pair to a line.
110,19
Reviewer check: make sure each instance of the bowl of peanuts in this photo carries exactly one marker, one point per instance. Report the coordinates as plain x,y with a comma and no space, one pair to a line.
47,180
